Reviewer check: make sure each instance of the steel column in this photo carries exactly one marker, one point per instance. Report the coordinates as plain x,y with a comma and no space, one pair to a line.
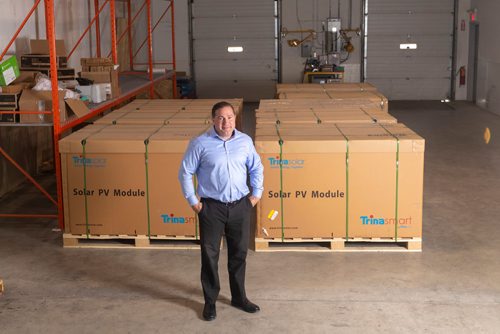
150,49
129,29
174,77
112,17
97,28
49,19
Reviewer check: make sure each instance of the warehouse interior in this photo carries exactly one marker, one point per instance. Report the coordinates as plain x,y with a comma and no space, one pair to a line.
434,63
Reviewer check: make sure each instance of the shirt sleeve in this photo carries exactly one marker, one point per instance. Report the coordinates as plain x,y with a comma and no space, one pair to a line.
187,170
256,171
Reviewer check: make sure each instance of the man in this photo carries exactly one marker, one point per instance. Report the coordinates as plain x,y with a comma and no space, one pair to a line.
221,159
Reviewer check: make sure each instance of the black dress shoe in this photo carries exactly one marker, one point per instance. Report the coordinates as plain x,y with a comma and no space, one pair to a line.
209,312
246,306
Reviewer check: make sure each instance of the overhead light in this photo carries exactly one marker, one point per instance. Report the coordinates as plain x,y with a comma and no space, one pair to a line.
408,46
234,49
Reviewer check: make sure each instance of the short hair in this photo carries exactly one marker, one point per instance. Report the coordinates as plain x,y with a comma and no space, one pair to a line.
220,105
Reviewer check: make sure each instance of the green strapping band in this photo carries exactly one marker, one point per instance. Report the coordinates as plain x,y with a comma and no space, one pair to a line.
318,120
146,162
397,193
346,184
280,142
84,155
396,215
374,120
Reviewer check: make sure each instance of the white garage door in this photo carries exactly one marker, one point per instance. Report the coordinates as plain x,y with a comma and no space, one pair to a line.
219,24
423,73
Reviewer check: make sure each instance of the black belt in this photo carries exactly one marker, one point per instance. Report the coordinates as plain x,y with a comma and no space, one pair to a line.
228,204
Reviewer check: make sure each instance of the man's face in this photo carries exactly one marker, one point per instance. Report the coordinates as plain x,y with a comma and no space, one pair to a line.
224,122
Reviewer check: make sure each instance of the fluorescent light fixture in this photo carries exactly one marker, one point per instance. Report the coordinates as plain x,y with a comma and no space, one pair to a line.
408,46
234,49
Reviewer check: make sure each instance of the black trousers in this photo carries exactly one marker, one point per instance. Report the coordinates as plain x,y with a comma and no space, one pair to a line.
233,220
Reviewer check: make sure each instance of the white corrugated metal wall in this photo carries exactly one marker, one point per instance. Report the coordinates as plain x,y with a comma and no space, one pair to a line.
218,24
421,74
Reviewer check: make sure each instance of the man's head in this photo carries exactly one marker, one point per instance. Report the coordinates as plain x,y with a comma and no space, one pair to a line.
224,119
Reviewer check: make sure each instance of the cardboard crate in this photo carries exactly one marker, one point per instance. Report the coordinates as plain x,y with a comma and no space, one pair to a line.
41,47
323,104
116,198
337,86
9,101
312,116
340,181
110,77
9,71
97,64
348,98
31,100
168,112
62,73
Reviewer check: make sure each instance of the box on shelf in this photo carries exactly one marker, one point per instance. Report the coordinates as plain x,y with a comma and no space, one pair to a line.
97,64
41,47
110,77
9,71
62,73
116,198
337,181
41,61
42,101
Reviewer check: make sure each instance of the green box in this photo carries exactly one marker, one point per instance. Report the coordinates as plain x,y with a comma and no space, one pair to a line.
9,71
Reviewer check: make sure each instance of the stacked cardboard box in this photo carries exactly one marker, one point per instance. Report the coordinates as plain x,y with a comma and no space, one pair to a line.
101,71
314,111
122,180
120,174
9,101
331,87
39,59
169,112
359,98
340,181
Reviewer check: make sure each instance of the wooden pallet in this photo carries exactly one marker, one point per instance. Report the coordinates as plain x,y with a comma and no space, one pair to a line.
338,245
130,241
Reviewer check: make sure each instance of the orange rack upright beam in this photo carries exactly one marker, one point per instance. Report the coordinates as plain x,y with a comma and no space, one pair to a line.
58,127
51,37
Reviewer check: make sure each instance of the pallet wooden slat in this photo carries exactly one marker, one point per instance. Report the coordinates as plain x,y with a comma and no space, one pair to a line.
338,245
130,241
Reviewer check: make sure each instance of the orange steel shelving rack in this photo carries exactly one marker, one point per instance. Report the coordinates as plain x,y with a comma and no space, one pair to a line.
58,127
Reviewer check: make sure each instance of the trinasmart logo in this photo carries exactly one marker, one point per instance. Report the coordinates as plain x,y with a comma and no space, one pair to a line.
172,219
372,220
80,161
285,163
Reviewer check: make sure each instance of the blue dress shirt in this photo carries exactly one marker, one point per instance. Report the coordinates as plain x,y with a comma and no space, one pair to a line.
221,168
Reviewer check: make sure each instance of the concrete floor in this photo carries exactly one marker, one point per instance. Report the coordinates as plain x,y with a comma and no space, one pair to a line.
453,286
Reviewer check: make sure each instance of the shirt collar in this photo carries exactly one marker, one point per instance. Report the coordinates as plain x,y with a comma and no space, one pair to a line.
213,133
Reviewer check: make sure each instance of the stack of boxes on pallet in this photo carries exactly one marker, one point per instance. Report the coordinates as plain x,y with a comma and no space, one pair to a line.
120,175
337,169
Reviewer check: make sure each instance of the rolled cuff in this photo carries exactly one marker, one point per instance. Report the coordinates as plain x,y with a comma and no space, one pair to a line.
192,200
257,193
